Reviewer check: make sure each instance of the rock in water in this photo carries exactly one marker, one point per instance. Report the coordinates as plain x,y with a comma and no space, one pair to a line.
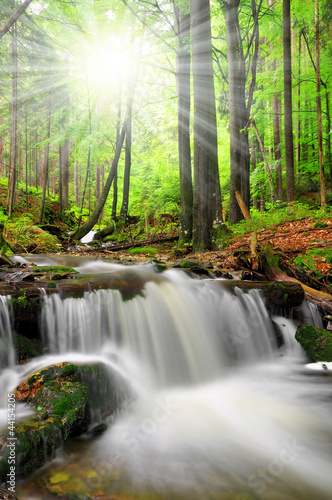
316,342
67,398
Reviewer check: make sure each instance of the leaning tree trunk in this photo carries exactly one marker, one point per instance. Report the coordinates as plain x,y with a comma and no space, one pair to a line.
115,180
207,198
12,20
182,22
126,176
88,225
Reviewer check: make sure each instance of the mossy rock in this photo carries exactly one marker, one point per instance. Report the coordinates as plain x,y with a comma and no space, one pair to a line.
54,269
67,398
316,342
67,402
26,313
193,263
25,237
27,348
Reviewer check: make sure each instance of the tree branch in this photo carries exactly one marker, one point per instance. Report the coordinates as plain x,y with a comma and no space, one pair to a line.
6,27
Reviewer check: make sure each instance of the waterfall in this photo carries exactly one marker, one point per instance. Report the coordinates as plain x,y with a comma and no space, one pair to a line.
220,412
178,330
7,350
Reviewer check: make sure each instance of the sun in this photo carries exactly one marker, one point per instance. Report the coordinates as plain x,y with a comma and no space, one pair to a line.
109,65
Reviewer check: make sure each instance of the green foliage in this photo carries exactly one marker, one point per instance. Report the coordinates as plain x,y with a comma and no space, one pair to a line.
324,253
316,342
26,348
146,251
277,214
320,225
305,263
24,237
54,269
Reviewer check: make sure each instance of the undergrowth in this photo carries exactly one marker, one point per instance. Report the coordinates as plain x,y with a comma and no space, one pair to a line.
274,215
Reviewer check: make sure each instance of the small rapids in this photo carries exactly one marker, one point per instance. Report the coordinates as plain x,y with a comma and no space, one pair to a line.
220,412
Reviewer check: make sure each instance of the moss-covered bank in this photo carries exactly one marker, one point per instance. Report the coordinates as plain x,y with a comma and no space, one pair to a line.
67,399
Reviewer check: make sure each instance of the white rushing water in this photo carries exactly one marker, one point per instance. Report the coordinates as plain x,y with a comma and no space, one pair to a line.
221,412
182,331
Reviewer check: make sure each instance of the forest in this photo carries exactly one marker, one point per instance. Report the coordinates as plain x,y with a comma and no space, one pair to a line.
184,351
164,109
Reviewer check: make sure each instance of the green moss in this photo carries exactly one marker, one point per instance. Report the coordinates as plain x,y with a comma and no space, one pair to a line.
316,342
320,225
145,250
54,269
69,370
27,348
25,306
51,284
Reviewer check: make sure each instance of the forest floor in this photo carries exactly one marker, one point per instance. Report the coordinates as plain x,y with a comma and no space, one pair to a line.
299,238
305,244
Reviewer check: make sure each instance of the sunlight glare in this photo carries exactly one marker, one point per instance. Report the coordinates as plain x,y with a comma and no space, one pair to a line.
108,65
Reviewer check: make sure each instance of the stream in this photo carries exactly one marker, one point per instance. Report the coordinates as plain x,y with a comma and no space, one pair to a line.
220,411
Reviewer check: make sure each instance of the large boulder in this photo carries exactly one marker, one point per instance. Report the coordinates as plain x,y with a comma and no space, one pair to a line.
316,342
67,399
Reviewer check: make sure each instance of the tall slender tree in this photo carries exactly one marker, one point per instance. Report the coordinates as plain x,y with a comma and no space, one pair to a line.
207,197
182,26
240,99
319,109
288,107
14,124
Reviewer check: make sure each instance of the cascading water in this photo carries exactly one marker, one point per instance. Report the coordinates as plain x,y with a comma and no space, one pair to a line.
181,331
7,351
7,356
219,414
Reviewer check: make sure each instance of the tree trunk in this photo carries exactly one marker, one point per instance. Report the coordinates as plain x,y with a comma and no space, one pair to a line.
253,168
126,177
65,175
182,24
88,225
45,173
60,180
85,185
14,125
277,145
26,162
207,197
328,135
298,150
76,190
12,20
261,145
319,110
115,181
97,182
289,147
239,147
